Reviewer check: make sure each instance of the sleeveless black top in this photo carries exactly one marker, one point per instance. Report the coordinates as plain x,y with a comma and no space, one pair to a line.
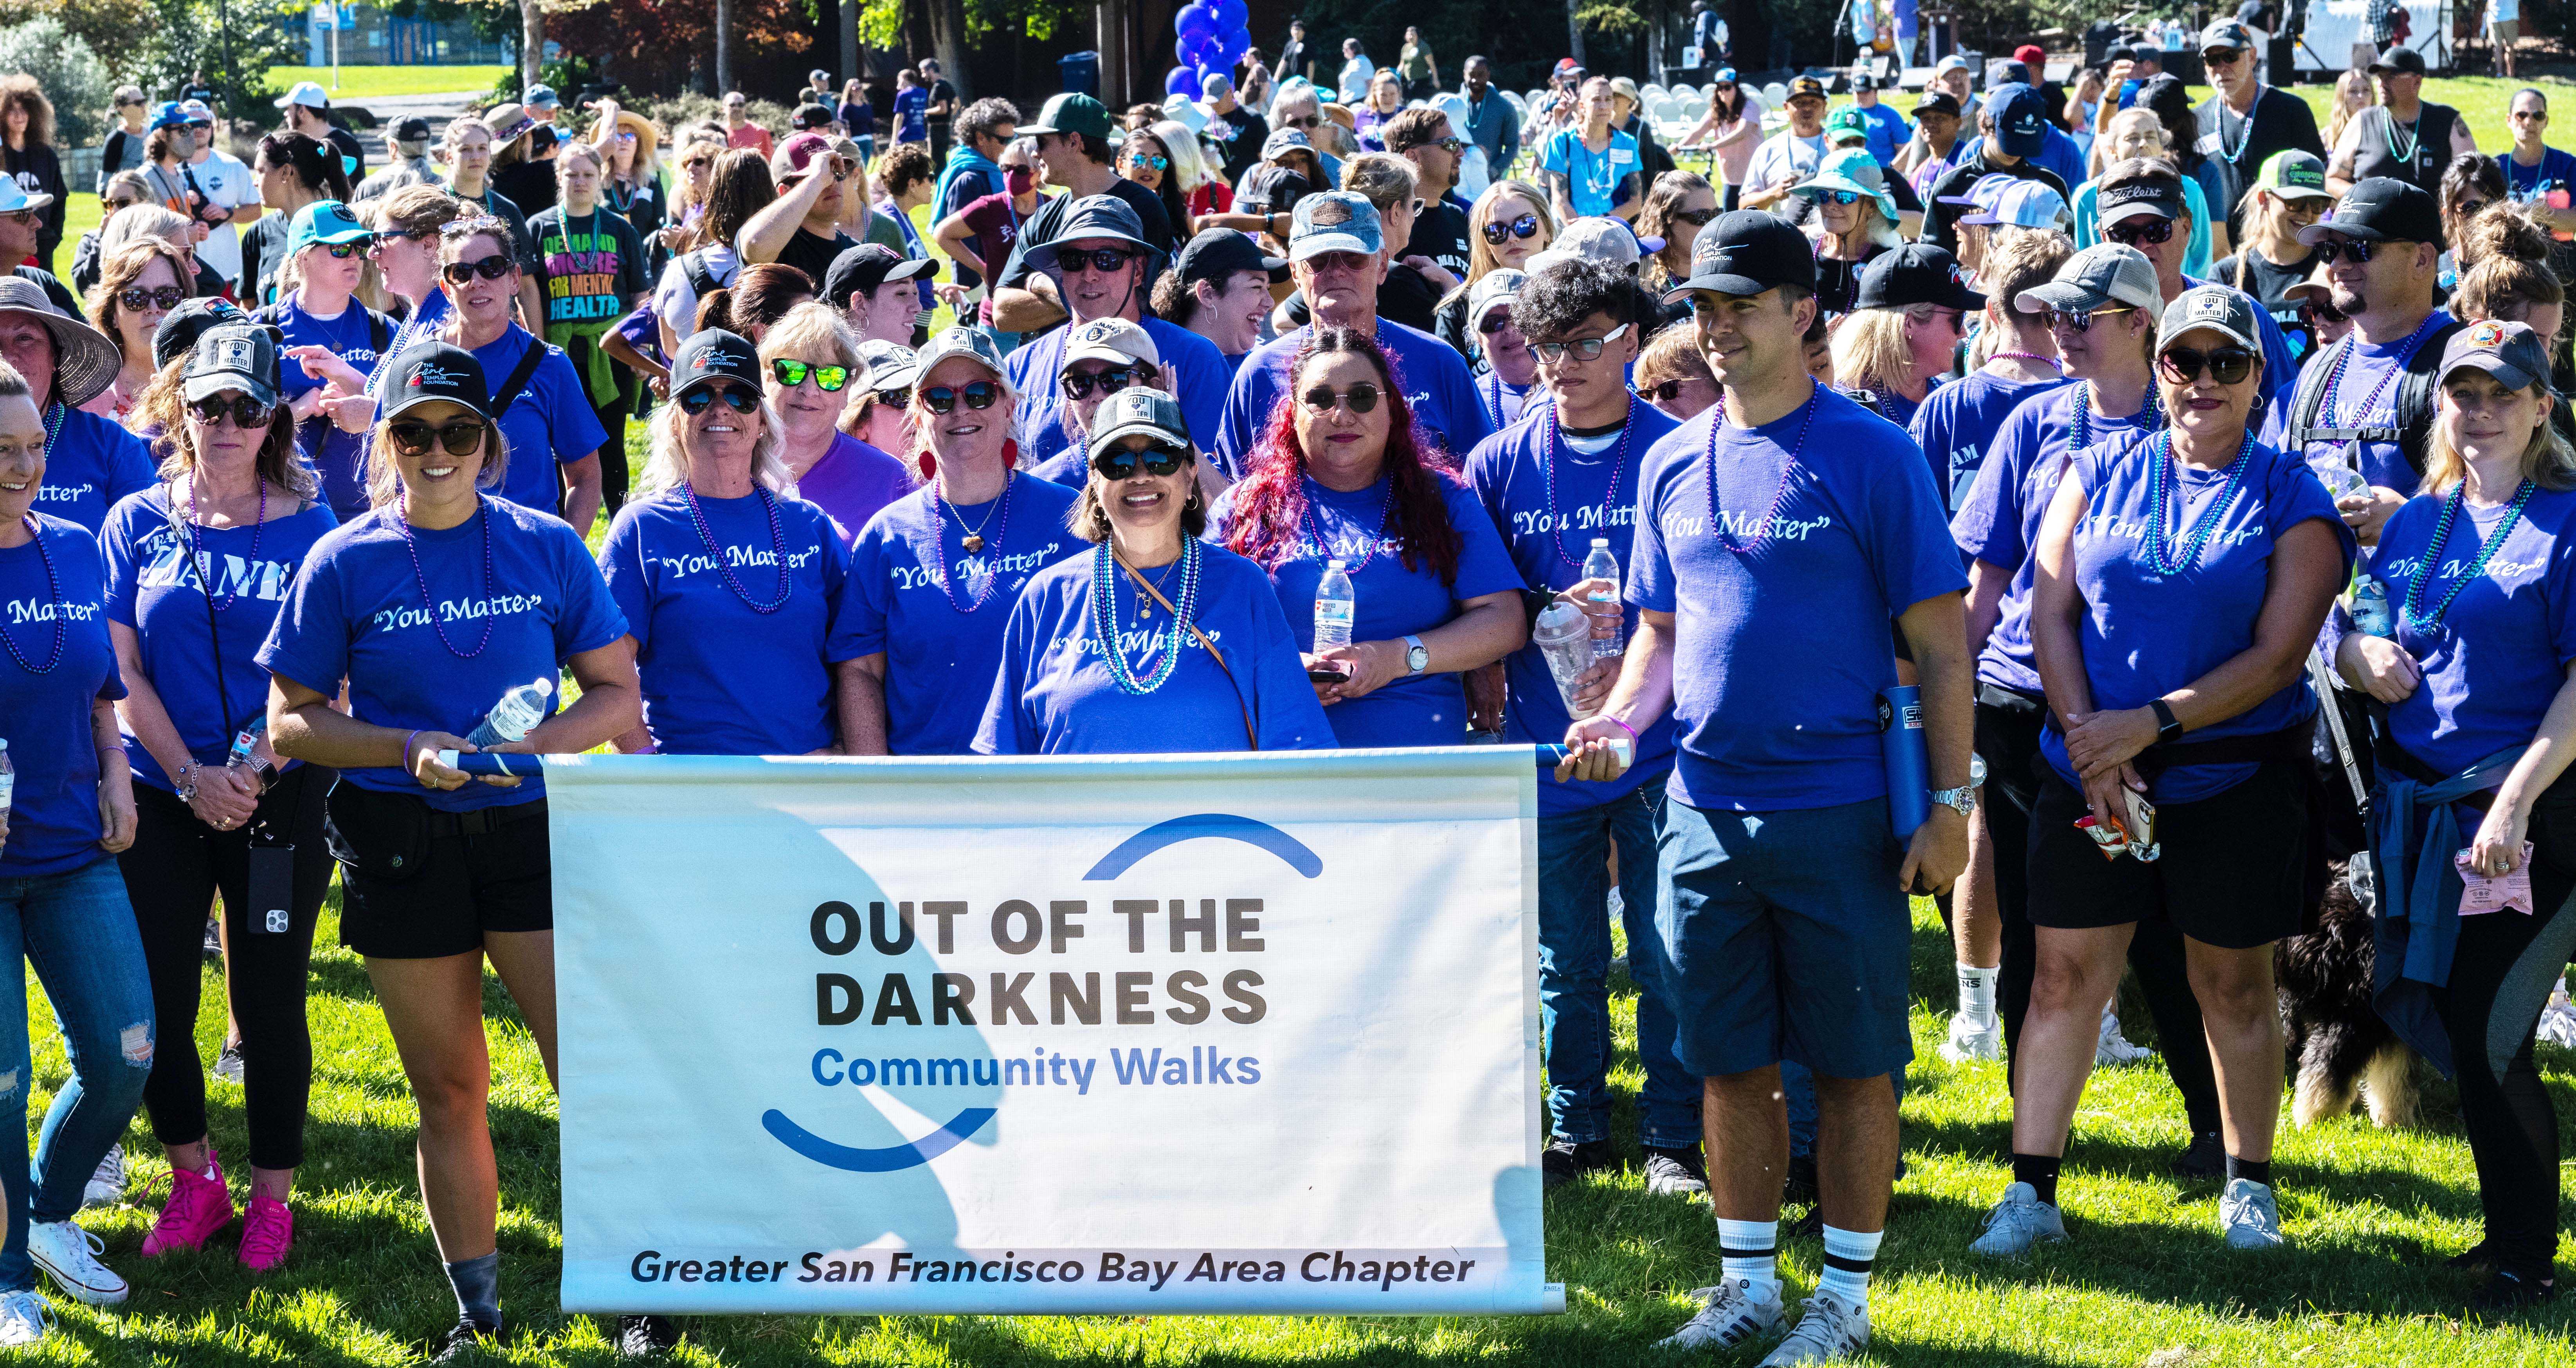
2382,140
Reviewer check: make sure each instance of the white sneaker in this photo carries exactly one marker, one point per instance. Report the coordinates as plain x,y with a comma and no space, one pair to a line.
2249,1215
2018,1222
69,1255
1968,1040
107,1186
1729,1315
24,1319
1829,1331
2113,1047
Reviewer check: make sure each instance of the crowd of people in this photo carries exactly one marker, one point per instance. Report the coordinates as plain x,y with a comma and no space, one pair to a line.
2147,440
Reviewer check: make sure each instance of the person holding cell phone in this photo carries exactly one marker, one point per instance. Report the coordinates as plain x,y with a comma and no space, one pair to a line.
2180,583
197,566
441,870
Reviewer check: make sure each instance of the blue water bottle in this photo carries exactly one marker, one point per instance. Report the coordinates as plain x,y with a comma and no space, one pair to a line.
1909,762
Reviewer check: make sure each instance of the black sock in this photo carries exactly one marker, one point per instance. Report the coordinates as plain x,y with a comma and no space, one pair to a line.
2249,1170
478,1288
2040,1171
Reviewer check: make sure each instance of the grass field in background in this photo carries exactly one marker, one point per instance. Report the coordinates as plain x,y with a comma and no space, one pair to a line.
359,84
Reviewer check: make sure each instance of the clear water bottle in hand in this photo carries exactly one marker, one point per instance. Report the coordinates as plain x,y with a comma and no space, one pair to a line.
2339,478
517,714
1336,607
8,778
247,739
1601,565
2370,609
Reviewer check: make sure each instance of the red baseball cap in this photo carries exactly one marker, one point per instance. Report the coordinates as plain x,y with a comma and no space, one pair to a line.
2030,55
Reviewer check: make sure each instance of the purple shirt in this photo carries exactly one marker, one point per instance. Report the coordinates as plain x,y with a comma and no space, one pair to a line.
90,465
2498,656
53,584
1956,426
853,481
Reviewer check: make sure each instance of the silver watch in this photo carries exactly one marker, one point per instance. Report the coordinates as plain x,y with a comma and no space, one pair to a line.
1417,657
1961,800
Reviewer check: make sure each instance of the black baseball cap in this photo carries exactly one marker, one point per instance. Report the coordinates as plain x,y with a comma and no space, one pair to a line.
865,267
2379,209
181,327
810,117
1745,253
1936,102
1219,253
1803,86
2140,185
2398,61
1916,273
236,356
713,354
435,370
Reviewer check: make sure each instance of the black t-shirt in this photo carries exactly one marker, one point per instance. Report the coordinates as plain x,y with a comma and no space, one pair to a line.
1042,225
1270,190
813,255
1241,133
263,250
1440,233
347,144
1292,60
530,185
506,209
2253,273
2280,122
1838,281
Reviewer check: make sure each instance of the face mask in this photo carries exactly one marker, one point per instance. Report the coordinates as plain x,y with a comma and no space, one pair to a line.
1021,180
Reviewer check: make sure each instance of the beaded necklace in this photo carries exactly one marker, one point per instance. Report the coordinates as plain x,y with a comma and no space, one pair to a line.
53,597
1323,549
2161,493
2334,377
2415,616
197,549
2405,155
1788,472
1556,451
1104,618
2049,361
973,542
56,414
2079,426
777,549
420,578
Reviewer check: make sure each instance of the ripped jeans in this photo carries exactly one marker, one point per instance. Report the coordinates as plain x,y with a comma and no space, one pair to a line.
78,930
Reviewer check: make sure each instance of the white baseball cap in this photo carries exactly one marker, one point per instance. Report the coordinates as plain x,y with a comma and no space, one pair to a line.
306,93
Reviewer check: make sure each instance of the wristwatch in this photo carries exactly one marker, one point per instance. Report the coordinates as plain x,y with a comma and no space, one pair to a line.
1961,800
2168,726
1417,657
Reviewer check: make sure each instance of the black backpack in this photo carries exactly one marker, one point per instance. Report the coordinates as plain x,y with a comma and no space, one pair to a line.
2414,413
702,278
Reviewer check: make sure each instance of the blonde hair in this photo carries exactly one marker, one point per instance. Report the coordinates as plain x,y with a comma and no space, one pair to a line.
2339,111
384,476
1674,354
667,466
597,159
2547,461
125,266
142,221
1005,408
1480,255
1382,178
805,332
1183,147
277,462
1871,352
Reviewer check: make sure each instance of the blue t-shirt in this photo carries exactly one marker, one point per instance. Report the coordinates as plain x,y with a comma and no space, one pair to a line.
358,612
2363,394
1592,177
911,107
1390,601
1055,696
1446,407
90,465
2146,633
1999,524
153,588
1549,531
2498,656
550,423
1780,655
938,613
1194,372
1956,427
1888,132
720,676
421,326
2556,171
53,809
339,458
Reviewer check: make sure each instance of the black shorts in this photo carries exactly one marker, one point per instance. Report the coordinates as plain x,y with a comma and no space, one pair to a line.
2231,875
418,884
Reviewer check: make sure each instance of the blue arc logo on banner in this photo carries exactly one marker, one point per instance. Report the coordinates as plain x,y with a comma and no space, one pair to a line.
1294,853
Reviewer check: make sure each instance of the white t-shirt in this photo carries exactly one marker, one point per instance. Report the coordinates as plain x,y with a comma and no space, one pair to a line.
229,184
675,300
1784,159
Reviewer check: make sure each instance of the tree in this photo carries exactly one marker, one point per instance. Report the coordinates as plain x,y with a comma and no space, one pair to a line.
532,40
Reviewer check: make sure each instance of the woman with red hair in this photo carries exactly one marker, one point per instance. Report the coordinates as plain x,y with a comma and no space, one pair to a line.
1340,476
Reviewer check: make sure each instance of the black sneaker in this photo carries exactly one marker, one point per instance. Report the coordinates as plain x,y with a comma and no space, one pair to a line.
1565,1160
466,1341
2476,1259
2507,1293
2205,1158
1675,1172
646,1336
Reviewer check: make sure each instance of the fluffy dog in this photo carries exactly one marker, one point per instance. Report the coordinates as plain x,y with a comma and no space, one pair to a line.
2338,1046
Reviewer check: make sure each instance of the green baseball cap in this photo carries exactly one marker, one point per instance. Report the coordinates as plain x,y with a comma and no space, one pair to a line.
1071,112
1846,125
321,222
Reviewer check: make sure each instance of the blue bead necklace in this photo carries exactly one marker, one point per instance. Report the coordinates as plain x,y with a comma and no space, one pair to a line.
53,597
1104,618
2079,426
1556,451
2415,616
2161,494
777,549
2334,377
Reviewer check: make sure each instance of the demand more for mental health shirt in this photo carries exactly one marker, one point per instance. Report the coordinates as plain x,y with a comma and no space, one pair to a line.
937,611
58,660
1446,407
549,424
401,613
1784,551
90,463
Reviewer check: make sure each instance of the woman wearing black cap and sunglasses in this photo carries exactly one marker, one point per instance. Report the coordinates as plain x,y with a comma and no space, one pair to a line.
431,608
1156,641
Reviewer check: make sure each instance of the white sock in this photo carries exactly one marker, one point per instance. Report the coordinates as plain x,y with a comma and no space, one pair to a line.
1848,1255
1977,994
1750,1251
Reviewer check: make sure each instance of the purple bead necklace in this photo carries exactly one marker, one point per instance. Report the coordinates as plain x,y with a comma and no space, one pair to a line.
777,549
1780,496
974,541
197,548
53,596
429,604
1556,452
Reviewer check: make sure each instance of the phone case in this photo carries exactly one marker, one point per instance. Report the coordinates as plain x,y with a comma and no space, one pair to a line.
272,890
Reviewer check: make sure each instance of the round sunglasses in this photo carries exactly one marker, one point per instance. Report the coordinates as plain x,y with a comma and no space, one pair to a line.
828,379
738,399
1361,398
942,399
1158,163
164,297
247,413
1155,460
490,268
1526,226
459,438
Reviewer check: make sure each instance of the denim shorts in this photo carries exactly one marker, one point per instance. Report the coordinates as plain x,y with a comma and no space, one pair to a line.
1783,935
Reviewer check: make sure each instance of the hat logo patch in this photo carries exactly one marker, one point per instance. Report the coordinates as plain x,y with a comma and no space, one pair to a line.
2486,335
432,374
1331,213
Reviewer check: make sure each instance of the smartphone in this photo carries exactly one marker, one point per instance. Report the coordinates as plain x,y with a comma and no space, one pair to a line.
1325,675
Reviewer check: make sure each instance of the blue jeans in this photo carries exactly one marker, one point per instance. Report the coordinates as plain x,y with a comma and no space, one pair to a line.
78,930
1574,900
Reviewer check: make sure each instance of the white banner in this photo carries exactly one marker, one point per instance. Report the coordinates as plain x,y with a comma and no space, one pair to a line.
1118,1034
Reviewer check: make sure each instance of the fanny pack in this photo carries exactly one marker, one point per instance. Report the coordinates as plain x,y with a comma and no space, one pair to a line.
386,836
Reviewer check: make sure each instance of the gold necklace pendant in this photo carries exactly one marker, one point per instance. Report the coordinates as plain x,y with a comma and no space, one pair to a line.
974,542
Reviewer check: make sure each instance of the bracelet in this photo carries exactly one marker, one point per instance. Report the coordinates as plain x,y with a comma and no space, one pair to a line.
406,751
1623,726
119,748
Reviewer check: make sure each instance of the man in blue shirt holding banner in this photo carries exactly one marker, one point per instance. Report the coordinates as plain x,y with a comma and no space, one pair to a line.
1777,536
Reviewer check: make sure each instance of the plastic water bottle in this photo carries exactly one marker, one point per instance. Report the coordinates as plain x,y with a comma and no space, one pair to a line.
1562,635
8,777
517,714
1336,607
2370,609
247,738
1607,644
2340,479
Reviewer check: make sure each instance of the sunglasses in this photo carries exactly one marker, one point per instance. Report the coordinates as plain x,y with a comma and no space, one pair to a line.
896,398
1108,382
1147,159
2468,208
2317,312
2071,320
160,297
2222,56
1588,349
1663,393
1308,121
828,379
1103,260
1451,145
247,413
1494,321
390,236
2227,365
943,398
737,398
199,127
490,268
1361,398
342,251
2357,249
1697,218
1156,461
459,438
1526,226
697,163
2132,233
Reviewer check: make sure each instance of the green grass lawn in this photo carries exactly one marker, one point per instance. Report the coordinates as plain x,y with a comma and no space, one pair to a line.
2369,1214
358,84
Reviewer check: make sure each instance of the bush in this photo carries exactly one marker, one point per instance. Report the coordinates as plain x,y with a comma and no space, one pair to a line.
70,74
671,114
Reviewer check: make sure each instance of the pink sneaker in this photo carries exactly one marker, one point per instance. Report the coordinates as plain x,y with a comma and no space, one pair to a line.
268,1231
198,1207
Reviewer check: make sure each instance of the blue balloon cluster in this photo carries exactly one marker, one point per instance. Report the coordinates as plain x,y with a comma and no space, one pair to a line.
1208,37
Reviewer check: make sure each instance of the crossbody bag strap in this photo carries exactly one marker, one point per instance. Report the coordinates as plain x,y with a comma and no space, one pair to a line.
1251,737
